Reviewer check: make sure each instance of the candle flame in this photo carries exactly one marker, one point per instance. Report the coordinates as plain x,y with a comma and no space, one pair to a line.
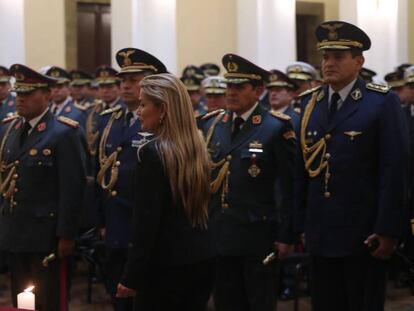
29,289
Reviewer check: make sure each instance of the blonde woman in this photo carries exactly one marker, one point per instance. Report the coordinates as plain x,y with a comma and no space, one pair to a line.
169,265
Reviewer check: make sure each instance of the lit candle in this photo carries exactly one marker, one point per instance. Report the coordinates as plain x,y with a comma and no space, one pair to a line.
26,299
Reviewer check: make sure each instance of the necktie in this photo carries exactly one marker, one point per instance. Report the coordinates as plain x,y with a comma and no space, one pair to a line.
128,118
333,107
25,132
54,109
238,122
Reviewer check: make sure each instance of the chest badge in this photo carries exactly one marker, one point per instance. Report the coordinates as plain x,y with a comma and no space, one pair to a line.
253,170
41,127
47,152
352,134
225,118
10,103
68,109
257,119
356,94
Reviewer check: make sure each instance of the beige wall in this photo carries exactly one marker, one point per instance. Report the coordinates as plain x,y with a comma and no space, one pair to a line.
410,20
331,8
45,33
206,30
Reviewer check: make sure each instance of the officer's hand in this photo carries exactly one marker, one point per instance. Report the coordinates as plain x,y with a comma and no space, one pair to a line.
386,246
124,292
65,247
283,249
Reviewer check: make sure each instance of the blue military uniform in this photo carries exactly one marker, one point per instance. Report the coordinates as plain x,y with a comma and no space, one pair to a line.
8,104
43,176
244,217
350,181
192,77
119,140
67,108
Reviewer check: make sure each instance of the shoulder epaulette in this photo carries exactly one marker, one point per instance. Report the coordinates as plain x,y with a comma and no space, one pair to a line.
377,87
111,110
96,102
310,91
9,118
82,107
67,121
212,114
281,116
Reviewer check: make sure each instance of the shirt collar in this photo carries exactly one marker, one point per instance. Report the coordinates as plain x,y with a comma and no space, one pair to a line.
343,94
247,114
33,122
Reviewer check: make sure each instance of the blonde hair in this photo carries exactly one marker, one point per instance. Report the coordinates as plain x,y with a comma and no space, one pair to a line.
181,146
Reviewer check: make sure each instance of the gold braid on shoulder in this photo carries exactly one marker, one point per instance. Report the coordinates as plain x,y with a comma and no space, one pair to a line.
91,133
318,149
110,161
8,184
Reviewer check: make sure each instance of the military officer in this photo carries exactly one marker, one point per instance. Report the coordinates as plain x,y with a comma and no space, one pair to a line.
281,93
117,159
192,77
214,88
79,88
108,86
351,176
7,99
304,75
61,102
42,179
250,149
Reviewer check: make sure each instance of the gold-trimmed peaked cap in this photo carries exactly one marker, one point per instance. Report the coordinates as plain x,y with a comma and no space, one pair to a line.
4,74
277,78
214,85
210,69
105,75
192,77
395,79
339,35
80,78
60,75
409,75
132,60
28,80
240,70
367,74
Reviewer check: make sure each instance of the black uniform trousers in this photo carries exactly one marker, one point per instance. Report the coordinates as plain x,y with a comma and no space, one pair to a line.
114,266
177,288
352,283
244,284
26,270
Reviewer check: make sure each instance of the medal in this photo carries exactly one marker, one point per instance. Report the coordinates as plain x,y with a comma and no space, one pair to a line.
253,170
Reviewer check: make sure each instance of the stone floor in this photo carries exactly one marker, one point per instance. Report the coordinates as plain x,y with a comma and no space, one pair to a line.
397,299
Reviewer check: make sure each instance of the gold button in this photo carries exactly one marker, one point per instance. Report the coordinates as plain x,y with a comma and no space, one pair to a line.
119,149
15,176
114,193
16,162
327,156
225,205
327,194
14,203
228,172
39,163
328,136
229,158
117,163
52,214
16,189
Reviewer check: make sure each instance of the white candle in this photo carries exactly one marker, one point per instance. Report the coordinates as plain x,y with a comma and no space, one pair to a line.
26,299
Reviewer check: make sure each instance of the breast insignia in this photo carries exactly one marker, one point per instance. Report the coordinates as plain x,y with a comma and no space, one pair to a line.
67,121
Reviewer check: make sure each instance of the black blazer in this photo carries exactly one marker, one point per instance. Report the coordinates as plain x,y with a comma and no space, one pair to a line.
162,234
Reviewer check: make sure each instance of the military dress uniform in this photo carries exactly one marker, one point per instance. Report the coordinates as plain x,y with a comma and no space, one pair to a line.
42,180
192,77
119,140
350,181
68,108
243,213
